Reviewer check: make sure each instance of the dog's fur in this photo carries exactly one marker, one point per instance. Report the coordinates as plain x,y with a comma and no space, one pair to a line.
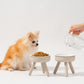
18,55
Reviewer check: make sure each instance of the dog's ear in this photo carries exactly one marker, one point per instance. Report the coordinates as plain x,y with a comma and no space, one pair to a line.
37,33
30,35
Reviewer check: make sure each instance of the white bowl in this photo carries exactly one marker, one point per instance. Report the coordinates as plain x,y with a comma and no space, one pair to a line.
40,59
65,57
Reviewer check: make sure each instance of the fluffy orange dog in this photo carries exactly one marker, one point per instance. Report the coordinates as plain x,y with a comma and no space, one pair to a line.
18,55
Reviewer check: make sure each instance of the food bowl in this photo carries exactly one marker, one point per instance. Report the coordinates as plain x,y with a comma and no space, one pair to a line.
40,59
65,57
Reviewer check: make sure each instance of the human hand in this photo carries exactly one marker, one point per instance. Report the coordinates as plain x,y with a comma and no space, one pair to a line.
77,29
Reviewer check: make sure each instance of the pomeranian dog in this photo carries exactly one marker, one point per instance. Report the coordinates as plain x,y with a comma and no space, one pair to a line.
18,55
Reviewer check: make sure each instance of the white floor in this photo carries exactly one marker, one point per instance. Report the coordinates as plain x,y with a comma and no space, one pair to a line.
37,77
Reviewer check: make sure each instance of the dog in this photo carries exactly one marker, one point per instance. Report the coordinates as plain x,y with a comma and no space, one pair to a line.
18,55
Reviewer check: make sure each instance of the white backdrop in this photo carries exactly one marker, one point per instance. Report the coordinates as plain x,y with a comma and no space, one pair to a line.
18,17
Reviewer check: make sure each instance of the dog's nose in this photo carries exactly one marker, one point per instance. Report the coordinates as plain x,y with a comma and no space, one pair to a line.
37,44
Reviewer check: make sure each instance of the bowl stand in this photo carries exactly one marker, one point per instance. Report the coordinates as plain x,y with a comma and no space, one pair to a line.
41,60
66,60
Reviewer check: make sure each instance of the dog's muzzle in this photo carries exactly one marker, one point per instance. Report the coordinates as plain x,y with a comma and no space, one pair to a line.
37,44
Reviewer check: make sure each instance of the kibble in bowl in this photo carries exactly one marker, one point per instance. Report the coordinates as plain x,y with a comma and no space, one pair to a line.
40,54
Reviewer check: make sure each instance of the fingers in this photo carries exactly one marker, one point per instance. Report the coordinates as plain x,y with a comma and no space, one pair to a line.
75,30
72,28
76,33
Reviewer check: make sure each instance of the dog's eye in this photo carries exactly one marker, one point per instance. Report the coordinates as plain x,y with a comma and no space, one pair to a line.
33,41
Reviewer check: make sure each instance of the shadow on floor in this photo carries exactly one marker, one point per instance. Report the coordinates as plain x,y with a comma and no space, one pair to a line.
58,74
79,74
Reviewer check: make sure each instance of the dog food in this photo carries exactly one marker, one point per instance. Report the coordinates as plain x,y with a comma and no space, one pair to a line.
40,54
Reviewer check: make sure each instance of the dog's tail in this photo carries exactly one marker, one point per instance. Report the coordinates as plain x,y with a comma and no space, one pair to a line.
0,65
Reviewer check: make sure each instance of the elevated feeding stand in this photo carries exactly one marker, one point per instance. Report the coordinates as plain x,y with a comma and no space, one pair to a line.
67,60
41,60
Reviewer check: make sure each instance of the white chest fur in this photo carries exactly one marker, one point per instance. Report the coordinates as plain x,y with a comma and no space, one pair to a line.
26,58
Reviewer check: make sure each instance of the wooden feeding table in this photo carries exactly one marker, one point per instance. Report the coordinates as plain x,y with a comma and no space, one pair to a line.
41,60
67,59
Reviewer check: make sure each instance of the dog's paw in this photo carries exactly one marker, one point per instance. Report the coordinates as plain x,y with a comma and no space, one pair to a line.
10,69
